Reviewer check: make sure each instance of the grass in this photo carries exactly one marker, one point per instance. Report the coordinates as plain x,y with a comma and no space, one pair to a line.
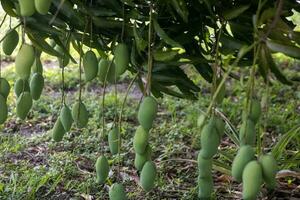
35,167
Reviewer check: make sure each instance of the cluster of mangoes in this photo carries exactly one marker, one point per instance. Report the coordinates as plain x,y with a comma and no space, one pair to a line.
253,172
244,167
146,115
28,60
108,71
211,135
28,7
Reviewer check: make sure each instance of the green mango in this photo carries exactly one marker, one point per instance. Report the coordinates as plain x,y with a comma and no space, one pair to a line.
247,133
26,7
221,94
102,169
204,166
117,192
206,188
255,111
58,131
24,104
269,170
200,120
140,140
24,61
113,140
20,86
66,118
10,41
90,65
148,176
242,158
103,69
36,85
121,58
210,141
42,6
141,159
107,69
252,180
3,109
147,112
80,114
64,61
4,88
37,66
219,125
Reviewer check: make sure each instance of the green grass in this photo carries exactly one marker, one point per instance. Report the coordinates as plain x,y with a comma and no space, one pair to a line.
34,167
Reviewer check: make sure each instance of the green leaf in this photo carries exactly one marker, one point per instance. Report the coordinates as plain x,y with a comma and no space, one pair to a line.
274,68
181,9
291,51
141,44
235,12
284,140
162,34
42,45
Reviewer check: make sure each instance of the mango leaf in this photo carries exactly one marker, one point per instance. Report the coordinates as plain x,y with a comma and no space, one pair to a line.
291,51
181,9
42,45
274,68
235,12
162,34
141,44
64,49
9,7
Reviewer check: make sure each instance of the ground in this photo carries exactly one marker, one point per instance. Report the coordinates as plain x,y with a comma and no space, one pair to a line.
34,167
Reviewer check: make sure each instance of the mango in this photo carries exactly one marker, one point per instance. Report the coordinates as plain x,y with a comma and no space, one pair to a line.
58,131
147,112
3,109
10,41
221,94
80,114
247,133
113,140
36,85
206,188
242,158
24,104
37,66
107,69
269,170
90,65
255,111
66,117
117,192
148,176
204,166
4,88
210,141
140,140
24,60
219,125
42,6
102,169
141,159
121,58
252,180
200,120
26,8
64,61
20,86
